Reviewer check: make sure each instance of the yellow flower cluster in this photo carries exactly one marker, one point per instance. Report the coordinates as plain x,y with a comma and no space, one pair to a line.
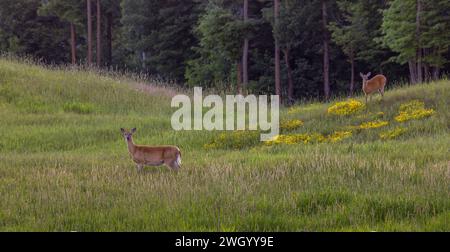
372,125
234,140
346,107
289,139
338,136
291,124
310,138
412,111
391,134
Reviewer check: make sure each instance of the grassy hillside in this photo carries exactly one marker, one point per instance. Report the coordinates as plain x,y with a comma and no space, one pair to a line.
64,165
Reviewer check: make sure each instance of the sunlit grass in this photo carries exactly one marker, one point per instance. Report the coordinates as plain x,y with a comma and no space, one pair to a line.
66,168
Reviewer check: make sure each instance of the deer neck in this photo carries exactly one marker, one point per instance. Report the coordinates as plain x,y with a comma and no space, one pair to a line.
131,145
365,84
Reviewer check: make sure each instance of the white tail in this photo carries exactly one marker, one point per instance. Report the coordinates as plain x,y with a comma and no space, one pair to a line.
178,160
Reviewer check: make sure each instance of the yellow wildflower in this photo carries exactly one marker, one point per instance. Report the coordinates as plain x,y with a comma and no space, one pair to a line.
338,136
373,124
391,134
346,107
291,124
413,110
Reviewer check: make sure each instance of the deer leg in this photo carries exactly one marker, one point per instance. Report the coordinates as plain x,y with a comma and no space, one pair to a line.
139,167
173,165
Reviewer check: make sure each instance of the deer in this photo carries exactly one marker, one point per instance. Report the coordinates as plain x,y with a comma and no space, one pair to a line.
377,83
152,155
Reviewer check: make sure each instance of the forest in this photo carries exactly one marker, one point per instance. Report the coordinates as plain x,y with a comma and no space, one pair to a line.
298,49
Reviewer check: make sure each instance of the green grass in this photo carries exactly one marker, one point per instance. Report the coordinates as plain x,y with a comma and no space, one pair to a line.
64,165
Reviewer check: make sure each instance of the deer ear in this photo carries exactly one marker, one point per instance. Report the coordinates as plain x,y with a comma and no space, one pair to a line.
133,130
361,74
122,129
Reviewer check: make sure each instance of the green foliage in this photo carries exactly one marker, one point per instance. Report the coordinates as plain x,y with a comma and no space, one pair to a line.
201,42
352,33
159,35
220,36
400,29
23,32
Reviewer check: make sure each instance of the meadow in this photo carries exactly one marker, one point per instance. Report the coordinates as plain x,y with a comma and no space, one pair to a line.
64,165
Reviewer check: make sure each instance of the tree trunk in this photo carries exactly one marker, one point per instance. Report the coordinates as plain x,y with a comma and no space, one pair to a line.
99,34
109,24
412,72
436,73
290,93
89,26
239,77
326,57
426,72
276,9
352,78
245,52
73,44
419,67
419,49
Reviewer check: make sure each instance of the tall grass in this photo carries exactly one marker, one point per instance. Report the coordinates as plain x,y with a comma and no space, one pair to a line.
62,169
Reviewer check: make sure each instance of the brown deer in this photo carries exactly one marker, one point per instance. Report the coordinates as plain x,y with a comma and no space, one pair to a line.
377,83
152,155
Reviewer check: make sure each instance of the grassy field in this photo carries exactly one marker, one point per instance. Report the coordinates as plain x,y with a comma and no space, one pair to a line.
65,167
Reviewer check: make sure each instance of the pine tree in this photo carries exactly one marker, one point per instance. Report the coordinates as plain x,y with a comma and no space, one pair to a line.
285,33
68,11
435,36
416,31
220,31
351,33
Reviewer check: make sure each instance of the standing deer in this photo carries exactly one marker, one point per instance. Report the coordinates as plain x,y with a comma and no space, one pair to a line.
152,155
377,83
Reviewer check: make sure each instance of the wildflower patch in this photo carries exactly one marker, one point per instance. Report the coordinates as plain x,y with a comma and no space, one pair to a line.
345,108
373,124
392,134
413,110
306,138
291,124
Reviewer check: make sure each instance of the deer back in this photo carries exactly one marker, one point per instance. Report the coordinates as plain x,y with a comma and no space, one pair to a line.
376,83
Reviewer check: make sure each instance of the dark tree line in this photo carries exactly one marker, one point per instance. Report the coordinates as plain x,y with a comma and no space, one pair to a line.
294,48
